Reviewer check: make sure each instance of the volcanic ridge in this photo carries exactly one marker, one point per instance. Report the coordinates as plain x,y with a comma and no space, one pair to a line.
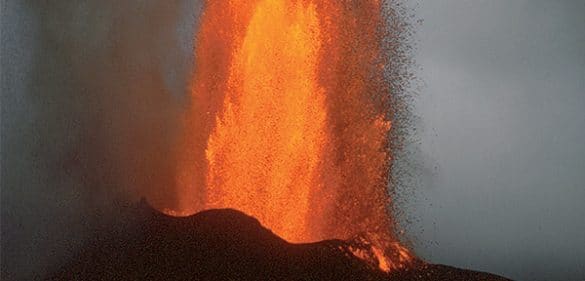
225,244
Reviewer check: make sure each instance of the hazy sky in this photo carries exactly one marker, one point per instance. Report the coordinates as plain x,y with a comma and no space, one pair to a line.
502,136
90,90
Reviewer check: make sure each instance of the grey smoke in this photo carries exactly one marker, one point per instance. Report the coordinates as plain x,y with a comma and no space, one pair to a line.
91,92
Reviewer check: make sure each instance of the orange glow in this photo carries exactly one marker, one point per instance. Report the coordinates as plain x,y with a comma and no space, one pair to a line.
288,121
268,139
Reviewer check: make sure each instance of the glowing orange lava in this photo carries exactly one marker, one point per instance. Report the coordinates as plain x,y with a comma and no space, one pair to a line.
268,139
288,121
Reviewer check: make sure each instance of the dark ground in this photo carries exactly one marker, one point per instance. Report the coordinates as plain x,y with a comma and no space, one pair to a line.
224,245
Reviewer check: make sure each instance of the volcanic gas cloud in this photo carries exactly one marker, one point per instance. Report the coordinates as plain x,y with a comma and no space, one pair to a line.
289,121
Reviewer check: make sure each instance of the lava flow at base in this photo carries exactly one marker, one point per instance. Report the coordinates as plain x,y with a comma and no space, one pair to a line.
289,121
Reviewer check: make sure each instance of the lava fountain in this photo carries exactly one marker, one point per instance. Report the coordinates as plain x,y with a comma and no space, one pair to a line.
288,121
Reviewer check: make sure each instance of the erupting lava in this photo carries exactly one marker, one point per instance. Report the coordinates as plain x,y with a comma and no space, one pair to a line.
288,121
265,152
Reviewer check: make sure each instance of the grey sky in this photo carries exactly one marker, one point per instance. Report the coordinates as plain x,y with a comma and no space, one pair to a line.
502,115
501,156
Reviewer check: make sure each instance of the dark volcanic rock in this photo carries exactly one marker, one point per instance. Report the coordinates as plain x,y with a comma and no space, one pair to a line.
440,272
223,245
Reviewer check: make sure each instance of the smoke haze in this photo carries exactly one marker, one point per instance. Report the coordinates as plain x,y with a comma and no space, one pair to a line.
91,91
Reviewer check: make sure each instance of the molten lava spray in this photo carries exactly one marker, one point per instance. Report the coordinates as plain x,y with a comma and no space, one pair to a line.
288,121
